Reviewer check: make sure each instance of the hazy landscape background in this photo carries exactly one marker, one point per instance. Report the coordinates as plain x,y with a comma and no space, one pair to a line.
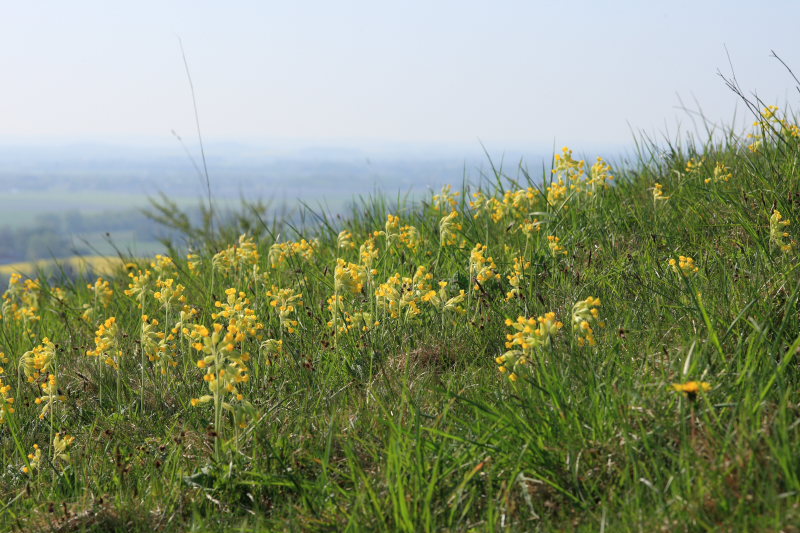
88,199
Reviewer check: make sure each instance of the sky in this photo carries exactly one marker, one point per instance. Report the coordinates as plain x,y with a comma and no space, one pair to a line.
351,73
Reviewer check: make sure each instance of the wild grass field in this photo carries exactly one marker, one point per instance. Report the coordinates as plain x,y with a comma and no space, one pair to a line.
606,349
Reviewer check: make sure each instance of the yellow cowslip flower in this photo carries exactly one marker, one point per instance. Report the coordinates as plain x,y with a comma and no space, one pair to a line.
569,168
238,258
481,268
102,291
585,313
448,228
557,193
410,237
60,445
38,361
530,334
600,176
721,173
694,164
480,204
271,348
106,343
139,286
778,236
392,229
284,301
515,278
280,253
684,265
368,253
21,300
168,293
49,395
155,344
348,278
555,248
446,199
6,400
658,193
34,460
193,262
691,388
345,240
529,227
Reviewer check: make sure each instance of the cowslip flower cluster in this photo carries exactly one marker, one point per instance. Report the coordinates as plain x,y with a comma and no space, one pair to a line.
155,344
448,229
348,278
284,301
60,445
102,294
585,314
225,370
530,334
38,362
34,460
106,343
237,258
140,285
6,400
168,293
599,177
280,253
481,268
721,174
516,277
344,241
772,124
442,300
556,249
49,395
778,236
446,199
21,300
410,238
684,265
658,193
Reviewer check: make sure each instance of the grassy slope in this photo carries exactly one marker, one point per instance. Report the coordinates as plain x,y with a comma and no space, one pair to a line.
410,426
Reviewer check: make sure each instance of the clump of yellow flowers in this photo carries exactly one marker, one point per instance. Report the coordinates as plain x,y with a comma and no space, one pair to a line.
585,313
778,236
684,265
6,400
448,228
481,268
105,343
658,193
284,301
554,243
721,173
516,277
530,334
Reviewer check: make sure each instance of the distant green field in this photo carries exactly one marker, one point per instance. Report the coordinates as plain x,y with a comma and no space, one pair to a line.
24,207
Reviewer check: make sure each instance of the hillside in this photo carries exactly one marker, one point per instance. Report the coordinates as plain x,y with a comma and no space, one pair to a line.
597,349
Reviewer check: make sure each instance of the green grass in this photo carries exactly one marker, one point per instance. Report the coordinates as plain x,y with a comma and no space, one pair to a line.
409,426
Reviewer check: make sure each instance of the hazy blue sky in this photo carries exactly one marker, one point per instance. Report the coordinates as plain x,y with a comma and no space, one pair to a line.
425,71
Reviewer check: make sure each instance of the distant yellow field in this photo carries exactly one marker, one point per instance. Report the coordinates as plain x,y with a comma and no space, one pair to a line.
99,264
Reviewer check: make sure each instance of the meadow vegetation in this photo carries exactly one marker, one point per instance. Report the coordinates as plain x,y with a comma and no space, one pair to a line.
602,349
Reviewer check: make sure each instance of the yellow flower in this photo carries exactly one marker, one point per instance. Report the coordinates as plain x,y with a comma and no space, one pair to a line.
684,265
778,236
658,193
691,388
